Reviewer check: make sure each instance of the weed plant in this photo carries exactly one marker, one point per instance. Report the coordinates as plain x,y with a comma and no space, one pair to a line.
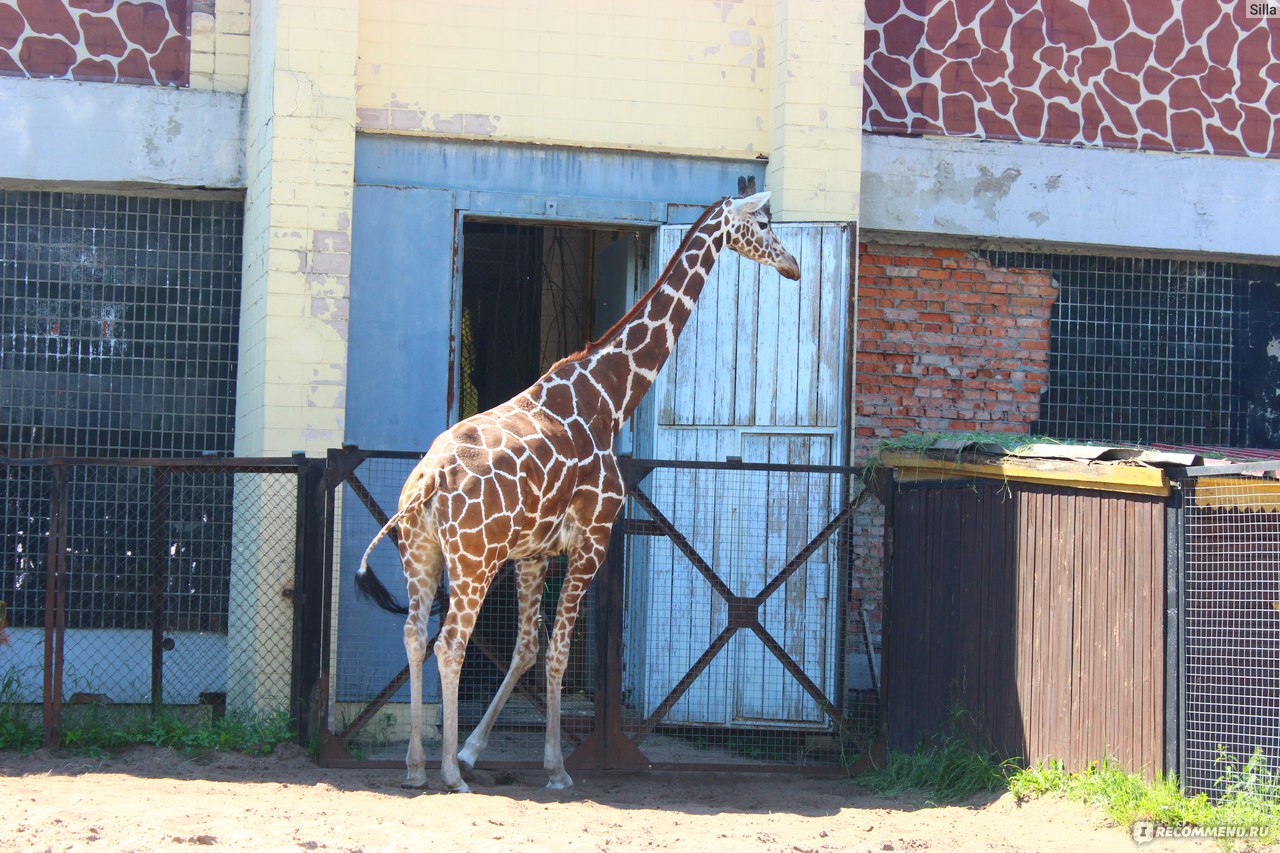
1250,795
949,770
20,728
100,732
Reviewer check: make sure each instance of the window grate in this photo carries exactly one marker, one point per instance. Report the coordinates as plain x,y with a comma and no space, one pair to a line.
119,326
1142,349
119,322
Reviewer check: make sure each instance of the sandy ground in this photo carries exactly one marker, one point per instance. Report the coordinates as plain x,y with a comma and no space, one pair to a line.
156,799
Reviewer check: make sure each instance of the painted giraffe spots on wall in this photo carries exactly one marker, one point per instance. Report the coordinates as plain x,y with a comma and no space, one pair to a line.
1162,75
97,41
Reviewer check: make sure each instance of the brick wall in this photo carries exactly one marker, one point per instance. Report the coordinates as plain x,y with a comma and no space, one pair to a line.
945,342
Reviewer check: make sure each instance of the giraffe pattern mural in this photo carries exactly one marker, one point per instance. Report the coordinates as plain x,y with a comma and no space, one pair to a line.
1161,75
101,41
536,477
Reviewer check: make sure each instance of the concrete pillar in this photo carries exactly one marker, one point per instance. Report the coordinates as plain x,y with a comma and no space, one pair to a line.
300,150
815,110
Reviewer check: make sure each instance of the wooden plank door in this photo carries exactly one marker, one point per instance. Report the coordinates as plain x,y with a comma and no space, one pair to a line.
759,373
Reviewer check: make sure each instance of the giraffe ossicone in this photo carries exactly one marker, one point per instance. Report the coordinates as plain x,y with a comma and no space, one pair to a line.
536,477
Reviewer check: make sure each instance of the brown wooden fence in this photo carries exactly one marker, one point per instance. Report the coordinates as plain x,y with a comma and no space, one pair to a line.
1038,610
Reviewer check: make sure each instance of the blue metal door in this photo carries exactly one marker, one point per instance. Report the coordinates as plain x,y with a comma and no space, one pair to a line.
398,363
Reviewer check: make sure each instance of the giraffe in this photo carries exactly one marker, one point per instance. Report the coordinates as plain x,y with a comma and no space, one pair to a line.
535,477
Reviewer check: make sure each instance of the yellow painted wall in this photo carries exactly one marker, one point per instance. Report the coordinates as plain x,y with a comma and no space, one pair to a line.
664,75
815,139
735,78
300,154
220,47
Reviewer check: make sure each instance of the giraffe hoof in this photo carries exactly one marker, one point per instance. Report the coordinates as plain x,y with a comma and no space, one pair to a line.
459,788
414,783
559,783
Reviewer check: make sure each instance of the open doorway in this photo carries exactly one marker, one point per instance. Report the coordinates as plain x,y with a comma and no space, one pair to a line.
530,295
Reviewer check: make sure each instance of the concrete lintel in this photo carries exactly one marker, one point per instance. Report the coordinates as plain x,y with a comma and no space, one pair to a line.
118,134
1063,195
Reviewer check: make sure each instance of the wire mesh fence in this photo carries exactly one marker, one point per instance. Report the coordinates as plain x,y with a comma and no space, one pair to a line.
718,634
1231,627
119,323
132,586
1144,349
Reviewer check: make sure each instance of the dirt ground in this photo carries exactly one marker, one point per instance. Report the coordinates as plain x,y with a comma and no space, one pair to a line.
157,799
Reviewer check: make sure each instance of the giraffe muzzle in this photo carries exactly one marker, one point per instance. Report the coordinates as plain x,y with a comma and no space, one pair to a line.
789,268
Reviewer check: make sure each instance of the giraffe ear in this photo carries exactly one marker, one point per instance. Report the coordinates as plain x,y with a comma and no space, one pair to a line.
751,203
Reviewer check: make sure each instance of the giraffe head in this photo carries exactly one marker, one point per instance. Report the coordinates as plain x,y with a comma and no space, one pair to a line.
750,230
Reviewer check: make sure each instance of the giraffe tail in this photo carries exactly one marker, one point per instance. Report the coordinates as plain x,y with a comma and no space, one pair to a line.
367,583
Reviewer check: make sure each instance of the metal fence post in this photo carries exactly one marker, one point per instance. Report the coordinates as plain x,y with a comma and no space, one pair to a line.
1173,634
308,595
608,747
159,580
55,616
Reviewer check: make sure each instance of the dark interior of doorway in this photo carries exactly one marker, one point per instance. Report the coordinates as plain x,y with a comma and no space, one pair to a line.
531,294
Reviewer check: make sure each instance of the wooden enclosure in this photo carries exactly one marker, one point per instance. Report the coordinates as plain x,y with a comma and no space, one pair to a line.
1037,610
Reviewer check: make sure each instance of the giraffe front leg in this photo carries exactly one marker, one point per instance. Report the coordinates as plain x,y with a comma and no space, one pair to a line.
582,568
467,589
530,576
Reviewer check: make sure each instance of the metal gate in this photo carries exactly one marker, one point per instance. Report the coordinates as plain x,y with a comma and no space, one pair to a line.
137,585
716,634
1230,609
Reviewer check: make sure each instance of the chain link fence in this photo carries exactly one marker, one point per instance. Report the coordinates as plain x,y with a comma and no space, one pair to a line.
131,586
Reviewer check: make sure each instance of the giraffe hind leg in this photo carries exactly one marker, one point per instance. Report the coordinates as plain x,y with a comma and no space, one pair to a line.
530,576
423,565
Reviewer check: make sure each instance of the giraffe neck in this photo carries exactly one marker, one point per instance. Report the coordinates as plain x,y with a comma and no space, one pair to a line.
613,374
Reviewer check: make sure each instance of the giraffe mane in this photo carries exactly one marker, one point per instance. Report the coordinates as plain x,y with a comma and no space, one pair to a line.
634,311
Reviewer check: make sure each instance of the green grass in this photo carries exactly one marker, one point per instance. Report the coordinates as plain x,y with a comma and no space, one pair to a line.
20,725
1250,795
921,441
949,771
101,731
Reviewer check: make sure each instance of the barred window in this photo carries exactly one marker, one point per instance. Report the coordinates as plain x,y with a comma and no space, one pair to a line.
1157,350
119,323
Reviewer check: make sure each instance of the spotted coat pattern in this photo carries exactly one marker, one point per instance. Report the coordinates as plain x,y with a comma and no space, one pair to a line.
1161,75
100,41
537,476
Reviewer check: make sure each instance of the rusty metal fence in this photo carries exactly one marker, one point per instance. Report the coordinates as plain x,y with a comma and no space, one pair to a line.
717,635
141,584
